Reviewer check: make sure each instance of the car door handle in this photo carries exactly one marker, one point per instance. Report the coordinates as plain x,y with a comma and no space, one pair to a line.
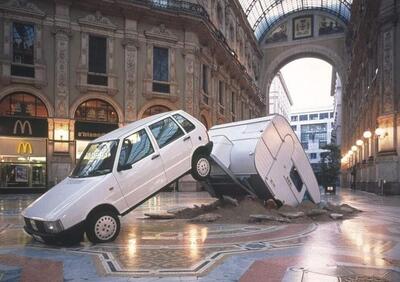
186,138
155,156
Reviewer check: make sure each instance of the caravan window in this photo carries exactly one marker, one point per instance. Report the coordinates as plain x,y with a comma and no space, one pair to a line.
296,179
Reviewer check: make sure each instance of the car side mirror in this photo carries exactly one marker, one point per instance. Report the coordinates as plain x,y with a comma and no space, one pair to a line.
124,167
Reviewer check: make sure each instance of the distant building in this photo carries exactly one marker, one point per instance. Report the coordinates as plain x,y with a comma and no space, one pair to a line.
314,129
280,100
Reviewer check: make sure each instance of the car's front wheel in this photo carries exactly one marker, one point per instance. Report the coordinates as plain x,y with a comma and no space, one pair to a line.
102,227
201,167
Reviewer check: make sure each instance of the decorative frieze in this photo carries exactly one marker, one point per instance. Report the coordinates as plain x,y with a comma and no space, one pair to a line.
130,81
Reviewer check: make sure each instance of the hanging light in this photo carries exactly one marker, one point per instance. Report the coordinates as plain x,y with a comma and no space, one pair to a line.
350,152
359,142
354,148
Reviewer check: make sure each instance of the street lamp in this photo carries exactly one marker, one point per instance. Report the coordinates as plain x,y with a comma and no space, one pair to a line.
354,148
359,142
367,134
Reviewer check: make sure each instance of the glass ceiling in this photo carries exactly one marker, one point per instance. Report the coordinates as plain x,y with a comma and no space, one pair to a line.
263,14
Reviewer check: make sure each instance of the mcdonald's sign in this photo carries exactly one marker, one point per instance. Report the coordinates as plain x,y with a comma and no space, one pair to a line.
22,126
26,127
24,148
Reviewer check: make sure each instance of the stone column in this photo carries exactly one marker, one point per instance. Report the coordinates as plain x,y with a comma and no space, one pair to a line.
189,80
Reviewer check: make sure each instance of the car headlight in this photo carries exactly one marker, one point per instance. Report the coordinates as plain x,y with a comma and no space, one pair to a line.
330,188
53,226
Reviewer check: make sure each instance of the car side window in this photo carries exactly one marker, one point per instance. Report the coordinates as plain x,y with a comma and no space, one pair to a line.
135,147
165,131
185,123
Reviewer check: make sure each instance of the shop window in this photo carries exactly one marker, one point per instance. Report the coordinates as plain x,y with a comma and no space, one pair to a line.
233,103
23,41
161,70
313,116
205,79
96,110
97,61
23,105
293,118
221,97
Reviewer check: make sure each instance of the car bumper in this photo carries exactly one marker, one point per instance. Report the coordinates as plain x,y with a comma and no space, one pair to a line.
53,236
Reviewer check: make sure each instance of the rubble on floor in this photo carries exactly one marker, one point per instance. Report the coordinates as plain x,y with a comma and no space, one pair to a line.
229,210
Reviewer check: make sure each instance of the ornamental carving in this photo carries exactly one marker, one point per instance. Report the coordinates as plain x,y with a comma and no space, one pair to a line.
161,33
130,85
62,78
388,71
23,6
97,20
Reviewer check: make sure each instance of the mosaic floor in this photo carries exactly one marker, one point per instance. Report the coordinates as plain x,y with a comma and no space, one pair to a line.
365,248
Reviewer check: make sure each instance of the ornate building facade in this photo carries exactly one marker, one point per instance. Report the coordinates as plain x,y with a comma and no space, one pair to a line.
71,71
371,140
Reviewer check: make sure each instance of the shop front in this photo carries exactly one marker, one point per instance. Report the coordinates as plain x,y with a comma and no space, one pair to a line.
23,163
23,143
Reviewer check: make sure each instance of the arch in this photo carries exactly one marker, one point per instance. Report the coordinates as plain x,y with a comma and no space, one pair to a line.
301,51
156,102
29,90
107,99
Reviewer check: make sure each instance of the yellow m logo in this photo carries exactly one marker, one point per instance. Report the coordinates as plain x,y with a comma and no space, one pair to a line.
22,127
24,148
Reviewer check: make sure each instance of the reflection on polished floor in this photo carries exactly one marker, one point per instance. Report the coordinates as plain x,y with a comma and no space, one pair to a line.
364,247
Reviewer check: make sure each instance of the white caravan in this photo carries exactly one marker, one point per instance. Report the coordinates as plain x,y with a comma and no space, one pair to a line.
116,173
262,157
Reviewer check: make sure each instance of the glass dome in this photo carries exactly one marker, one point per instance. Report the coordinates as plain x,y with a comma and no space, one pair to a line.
263,14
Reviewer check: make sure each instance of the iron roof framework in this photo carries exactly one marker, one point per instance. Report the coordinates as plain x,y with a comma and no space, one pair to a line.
264,14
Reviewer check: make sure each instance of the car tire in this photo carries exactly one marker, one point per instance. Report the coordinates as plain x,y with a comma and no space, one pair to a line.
201,167
102,227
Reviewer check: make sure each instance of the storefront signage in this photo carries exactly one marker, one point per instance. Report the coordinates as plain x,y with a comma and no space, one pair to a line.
26,127
92,130
24,148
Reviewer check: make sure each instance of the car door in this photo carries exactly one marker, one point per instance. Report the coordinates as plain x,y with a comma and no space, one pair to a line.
140,170
175,147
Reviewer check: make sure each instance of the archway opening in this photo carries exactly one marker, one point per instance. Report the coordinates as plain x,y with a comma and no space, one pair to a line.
154,110
307,91
94,118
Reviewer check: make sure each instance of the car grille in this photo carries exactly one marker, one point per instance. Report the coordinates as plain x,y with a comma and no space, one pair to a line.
39,225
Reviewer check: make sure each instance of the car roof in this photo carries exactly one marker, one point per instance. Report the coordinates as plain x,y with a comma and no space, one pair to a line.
119,132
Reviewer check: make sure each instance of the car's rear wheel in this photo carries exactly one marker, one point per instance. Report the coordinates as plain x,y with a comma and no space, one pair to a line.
102,227
201,167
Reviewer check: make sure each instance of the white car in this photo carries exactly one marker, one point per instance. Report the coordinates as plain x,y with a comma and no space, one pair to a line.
116,173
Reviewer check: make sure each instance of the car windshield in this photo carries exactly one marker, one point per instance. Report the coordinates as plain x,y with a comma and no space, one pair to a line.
98,159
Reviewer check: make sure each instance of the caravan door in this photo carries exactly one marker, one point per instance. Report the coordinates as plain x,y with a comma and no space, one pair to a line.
284,174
